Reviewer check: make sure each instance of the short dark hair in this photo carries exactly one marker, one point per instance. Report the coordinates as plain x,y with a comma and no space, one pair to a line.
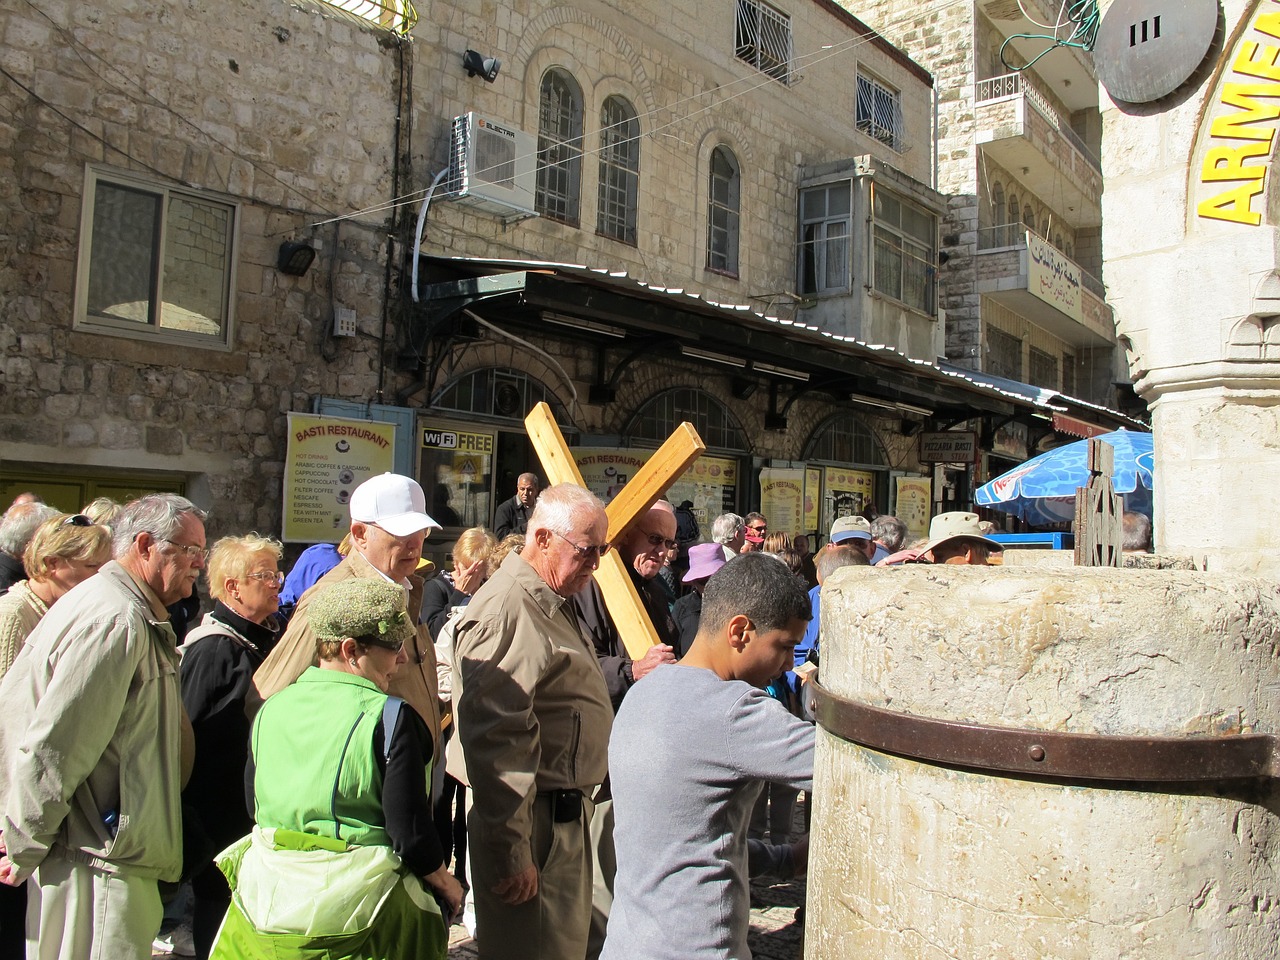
756,586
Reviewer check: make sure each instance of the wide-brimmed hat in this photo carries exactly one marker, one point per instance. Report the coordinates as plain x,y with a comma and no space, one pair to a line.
704,560
957,525
368,610
393,502
850,528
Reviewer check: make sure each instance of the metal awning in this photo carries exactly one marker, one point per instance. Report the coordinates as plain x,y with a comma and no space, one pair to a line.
612,308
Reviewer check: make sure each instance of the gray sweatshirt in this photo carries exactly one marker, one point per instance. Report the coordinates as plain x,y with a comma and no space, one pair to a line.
687,757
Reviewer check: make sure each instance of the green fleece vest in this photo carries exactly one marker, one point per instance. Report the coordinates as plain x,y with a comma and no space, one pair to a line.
313,755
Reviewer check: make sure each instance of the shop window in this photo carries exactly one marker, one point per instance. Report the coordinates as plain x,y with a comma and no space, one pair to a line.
723,202
845,439
497,392
879,112
825,224
1004,354
619,171
762,38
658,418
156,262
559,148
905,251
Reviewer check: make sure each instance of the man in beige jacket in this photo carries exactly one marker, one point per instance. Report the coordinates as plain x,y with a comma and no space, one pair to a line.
389,524
533,719
91,745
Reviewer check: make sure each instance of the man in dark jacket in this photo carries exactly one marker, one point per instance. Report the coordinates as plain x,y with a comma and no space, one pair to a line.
512,515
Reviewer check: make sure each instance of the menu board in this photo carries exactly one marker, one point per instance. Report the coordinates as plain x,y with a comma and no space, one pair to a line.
326,459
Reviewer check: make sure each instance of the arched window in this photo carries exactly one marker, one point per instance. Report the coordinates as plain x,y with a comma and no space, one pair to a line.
843,438
658,417
997,204
1015,211
1029,217
723,204
497,392
619,170
559,148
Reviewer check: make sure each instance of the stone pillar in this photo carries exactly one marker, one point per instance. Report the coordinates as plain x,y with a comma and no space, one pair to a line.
912,860
1190,263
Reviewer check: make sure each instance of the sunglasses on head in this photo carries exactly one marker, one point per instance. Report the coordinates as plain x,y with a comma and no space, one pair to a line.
77,520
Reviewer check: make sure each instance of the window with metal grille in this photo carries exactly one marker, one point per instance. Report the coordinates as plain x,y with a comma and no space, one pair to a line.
498,392
762,38
906,251
879,112
657,418
398,16
559,148
619,170
1043,368
1004,354
155,262
825,224
723,202
843,438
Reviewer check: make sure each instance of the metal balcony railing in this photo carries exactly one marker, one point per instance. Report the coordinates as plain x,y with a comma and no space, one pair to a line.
1014,236
1014,84
397,16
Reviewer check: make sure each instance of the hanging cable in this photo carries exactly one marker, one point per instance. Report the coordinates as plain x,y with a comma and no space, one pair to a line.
1082,13
417,235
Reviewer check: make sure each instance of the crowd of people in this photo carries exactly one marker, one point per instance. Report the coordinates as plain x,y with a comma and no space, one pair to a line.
345,760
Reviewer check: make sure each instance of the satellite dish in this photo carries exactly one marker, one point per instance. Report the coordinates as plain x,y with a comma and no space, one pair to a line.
1146,49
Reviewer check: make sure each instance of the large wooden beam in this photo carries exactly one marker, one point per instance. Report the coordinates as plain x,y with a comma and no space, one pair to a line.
650,482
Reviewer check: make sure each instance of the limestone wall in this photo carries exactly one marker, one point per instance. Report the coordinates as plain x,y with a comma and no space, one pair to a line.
912,860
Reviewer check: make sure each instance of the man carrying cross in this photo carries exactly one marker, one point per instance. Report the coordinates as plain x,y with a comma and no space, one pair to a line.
533,720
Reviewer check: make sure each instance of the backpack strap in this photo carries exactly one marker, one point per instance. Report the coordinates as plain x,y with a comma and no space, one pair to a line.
390,714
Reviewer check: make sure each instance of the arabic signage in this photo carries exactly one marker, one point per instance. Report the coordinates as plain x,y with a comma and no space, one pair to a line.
948,446
326,459
1053,278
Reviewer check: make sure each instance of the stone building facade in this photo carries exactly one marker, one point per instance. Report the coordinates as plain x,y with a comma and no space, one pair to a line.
142,140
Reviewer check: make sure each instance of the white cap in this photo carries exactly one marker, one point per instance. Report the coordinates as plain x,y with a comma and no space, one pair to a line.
850,528
394,503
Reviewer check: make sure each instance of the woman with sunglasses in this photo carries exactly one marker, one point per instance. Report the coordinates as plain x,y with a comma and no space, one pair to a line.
344,861
218,660
63,551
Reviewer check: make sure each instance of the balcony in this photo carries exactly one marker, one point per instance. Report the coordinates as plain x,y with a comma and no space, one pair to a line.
1019,129
1023,271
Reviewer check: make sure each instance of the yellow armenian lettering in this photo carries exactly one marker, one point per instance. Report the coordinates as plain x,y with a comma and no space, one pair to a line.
1235,125
1249,64
1233,205
1227,163
1268,23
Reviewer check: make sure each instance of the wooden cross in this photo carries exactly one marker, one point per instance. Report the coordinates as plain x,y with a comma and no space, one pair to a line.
1099,511
650,482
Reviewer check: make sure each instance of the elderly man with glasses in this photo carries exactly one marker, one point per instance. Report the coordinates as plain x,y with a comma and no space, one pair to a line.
533,722
389,524
91,745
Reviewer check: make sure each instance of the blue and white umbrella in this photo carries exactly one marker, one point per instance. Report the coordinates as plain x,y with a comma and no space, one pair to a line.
1043,490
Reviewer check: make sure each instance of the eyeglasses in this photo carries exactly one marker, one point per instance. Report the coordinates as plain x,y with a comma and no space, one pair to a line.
586,553
191,550
267,577
658,540
395,646
760,529
77,520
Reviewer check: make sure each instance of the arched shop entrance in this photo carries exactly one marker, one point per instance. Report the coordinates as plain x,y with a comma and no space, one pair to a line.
473,445
855,469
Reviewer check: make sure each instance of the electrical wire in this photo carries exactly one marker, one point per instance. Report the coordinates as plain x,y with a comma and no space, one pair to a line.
1083,13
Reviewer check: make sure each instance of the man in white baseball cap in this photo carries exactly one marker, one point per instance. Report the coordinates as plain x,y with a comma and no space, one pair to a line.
389,524
957,538
854,532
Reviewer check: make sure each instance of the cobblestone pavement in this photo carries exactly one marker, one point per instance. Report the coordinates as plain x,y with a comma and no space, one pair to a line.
775,934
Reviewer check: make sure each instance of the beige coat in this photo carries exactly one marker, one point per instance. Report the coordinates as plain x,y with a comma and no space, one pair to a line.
415,682
20,611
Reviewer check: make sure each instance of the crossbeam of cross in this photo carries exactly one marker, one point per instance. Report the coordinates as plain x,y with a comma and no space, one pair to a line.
650,482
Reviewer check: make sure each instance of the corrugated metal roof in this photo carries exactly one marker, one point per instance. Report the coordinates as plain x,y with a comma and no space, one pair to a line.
1022,393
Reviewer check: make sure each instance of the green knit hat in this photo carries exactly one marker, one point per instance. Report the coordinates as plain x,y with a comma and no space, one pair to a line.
368,610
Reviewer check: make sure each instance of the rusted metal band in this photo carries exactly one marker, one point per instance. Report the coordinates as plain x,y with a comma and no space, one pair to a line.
1069,756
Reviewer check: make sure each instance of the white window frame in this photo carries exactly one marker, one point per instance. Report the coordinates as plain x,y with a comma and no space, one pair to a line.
151,330
828,233
762,38
878,111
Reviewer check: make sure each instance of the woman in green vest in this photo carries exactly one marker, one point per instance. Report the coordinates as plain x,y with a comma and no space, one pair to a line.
343,861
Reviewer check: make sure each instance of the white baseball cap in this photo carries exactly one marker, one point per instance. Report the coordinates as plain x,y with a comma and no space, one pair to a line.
850,528
393,502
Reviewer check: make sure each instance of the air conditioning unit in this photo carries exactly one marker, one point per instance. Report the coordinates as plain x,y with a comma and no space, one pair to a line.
492,167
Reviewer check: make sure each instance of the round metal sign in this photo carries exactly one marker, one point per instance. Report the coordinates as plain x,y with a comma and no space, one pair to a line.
1146,49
